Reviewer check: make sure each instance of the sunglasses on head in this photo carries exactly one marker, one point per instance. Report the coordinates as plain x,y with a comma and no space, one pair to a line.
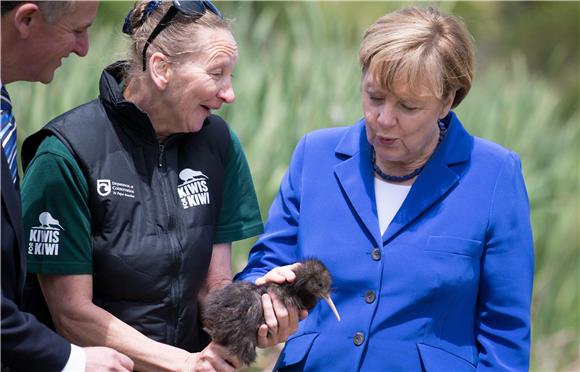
195,9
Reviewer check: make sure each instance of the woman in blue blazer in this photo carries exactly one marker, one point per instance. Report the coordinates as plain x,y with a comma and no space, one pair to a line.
425,228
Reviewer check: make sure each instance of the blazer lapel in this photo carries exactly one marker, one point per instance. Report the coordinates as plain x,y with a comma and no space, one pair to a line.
436,179
355,176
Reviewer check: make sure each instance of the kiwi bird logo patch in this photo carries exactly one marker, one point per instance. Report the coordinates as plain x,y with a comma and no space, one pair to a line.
193,191
45,239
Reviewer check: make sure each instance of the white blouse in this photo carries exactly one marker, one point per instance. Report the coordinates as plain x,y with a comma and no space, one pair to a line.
389,197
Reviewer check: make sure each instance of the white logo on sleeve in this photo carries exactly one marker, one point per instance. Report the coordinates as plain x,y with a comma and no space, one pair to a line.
44,239
193,191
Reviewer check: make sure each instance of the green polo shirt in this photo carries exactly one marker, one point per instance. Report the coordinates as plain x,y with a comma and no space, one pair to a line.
57,219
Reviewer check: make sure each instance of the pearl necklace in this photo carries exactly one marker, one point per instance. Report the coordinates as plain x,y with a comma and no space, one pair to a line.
413,174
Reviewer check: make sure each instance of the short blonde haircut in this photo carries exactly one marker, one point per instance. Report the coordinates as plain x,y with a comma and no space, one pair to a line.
180,37
422,48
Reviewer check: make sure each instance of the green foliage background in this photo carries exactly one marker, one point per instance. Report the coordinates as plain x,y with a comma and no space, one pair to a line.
298,71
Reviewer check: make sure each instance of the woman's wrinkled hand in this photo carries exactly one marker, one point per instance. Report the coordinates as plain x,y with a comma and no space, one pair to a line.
280,322
279,275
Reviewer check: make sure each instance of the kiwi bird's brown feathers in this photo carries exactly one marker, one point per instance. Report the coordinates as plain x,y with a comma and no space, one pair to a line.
233,314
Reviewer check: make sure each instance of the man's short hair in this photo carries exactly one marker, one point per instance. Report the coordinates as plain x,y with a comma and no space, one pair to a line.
51,10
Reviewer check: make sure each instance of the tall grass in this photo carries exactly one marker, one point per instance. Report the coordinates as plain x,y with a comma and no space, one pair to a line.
298,71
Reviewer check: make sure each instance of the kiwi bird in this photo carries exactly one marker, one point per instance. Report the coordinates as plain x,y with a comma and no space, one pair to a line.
233,314
189,174
46,220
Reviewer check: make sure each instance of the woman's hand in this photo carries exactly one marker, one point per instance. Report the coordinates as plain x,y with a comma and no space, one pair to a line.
279,275
213,358
280,321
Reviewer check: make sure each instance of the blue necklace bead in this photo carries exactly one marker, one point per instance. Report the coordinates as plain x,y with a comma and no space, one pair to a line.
413,174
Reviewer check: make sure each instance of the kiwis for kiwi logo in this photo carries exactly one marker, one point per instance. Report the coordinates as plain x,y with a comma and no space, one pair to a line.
45,239
193,191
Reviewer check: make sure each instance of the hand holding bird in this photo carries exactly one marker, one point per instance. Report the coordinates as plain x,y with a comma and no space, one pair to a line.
233,314
279,322
280,274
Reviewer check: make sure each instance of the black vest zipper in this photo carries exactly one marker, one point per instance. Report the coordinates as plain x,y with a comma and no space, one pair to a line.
171,230
161,153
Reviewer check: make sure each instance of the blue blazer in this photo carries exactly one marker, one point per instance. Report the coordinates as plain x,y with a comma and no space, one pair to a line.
27,345
447,287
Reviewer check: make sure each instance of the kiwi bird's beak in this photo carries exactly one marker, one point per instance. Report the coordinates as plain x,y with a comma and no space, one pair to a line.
332,307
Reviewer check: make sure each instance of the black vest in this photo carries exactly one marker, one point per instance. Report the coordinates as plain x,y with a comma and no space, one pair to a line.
153,207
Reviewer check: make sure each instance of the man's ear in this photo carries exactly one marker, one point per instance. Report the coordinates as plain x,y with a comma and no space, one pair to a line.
159,70
24,18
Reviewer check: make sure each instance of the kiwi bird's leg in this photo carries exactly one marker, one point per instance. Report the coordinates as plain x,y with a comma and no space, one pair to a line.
332,307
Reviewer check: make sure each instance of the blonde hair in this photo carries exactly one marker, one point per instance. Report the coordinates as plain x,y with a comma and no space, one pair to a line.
181,36
421,47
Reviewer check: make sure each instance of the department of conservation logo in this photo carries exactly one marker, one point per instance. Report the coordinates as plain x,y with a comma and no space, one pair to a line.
193,191
106,187
45,239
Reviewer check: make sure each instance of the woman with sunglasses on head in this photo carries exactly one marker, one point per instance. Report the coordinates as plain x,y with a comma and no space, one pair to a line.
424,227
132,200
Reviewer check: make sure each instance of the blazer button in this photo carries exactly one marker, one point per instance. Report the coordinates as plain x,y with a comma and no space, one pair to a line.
376,254
358,338
370,297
